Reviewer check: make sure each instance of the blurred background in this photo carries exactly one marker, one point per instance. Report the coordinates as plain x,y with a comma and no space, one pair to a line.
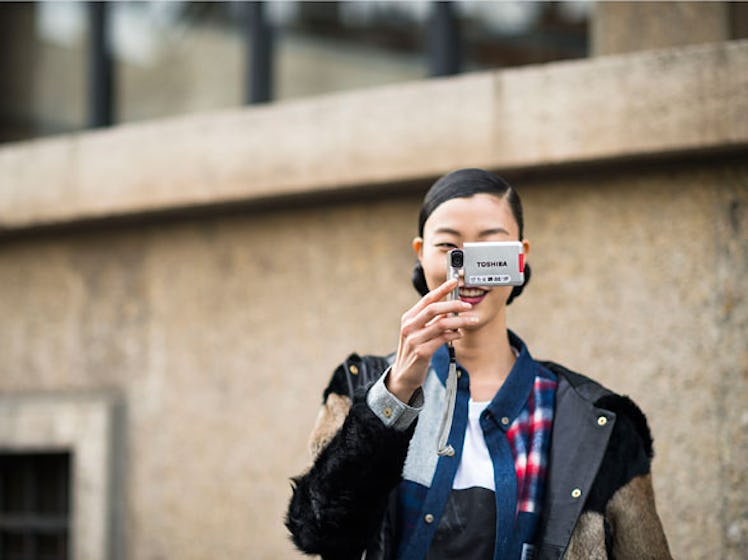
205,206
144,60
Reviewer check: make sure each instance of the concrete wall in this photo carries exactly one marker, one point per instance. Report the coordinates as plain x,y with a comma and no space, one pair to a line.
619,27
218,326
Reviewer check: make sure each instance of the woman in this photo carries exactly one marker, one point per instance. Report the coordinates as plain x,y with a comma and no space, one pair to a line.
546,463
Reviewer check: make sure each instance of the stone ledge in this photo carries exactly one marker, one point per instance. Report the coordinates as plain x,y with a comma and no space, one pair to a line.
682,100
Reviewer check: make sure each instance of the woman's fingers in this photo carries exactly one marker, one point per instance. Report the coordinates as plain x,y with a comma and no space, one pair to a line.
424,328
434,295
441,308
417,361
431,317
415,354
432,313
440,327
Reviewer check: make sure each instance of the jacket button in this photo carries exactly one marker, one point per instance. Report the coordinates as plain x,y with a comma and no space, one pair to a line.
505,420
387,412
353,369
602,420
428,518
576,493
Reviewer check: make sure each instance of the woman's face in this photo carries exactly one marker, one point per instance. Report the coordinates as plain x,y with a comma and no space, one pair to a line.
481,217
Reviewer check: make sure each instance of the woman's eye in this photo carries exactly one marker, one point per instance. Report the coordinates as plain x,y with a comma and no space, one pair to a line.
446,245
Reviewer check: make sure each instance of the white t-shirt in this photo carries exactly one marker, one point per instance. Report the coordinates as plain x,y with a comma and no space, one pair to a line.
475,468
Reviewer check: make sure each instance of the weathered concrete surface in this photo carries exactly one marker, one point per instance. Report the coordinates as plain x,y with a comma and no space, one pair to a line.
658,25
220,333
680,100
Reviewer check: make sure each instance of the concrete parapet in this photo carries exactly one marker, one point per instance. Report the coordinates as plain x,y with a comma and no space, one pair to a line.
658,25
643,104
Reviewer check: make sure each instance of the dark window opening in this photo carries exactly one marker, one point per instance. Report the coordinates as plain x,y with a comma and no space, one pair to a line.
34,506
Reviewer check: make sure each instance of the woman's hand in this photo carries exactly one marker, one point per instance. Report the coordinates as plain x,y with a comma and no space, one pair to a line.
423,329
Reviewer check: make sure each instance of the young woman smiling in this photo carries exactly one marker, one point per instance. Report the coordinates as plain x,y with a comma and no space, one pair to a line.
543,462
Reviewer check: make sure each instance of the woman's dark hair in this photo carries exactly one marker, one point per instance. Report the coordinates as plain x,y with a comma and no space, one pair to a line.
465,183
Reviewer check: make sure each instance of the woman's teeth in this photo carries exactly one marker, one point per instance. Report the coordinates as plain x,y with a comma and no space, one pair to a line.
472,292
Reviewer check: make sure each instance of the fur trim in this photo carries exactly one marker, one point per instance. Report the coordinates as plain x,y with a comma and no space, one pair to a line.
588,539
636,529
337,506
355,374
329,420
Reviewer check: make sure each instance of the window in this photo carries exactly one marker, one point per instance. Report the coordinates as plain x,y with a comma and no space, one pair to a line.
505,34
42,68
334,46
34,506
173,58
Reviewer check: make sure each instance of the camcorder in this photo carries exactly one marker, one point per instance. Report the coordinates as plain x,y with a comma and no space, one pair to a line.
487,264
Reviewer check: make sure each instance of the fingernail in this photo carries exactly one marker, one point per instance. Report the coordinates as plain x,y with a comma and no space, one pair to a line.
466,305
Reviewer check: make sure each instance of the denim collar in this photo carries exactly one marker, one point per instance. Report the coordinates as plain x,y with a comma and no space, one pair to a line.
511,397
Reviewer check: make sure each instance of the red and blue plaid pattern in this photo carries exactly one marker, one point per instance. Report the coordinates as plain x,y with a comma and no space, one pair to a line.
529,437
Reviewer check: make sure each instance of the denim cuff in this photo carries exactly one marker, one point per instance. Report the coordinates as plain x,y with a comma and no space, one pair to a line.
389,409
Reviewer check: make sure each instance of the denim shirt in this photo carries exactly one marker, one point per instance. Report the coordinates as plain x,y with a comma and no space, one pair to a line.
516,426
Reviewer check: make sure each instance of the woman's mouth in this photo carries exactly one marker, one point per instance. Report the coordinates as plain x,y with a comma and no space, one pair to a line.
472,296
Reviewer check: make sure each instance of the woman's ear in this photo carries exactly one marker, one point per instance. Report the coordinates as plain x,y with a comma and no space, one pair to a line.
418,246
525,247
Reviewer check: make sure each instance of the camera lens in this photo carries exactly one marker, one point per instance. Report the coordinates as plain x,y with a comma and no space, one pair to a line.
456,258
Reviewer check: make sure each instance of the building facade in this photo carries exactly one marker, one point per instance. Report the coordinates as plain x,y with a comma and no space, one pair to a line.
177,291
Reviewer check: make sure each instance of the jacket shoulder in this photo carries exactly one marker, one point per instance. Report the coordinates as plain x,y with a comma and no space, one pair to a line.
355,372
349,379
600,396
587,387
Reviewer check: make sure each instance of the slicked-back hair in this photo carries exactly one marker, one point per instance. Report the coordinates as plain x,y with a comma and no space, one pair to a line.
465,183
